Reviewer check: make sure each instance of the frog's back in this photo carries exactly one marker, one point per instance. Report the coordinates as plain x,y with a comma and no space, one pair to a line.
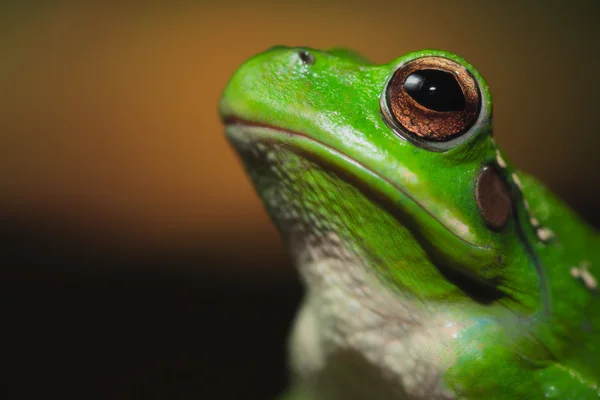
571,260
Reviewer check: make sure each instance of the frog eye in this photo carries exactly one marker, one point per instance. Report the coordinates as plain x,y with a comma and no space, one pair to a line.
433,100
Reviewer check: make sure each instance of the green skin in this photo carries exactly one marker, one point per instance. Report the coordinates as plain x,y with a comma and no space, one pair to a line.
408,216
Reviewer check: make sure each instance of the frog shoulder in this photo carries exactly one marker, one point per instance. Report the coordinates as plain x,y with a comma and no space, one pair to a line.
551,211
561,382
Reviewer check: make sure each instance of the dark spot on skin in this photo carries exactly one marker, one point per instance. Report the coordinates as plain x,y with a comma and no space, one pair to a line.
306,57
492,196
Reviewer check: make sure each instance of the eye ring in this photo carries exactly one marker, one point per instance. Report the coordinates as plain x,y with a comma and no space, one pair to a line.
433,102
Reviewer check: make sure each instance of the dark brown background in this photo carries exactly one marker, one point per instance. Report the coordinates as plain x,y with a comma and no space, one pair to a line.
135,259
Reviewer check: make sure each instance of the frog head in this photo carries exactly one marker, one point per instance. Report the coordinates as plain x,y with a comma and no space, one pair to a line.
395,161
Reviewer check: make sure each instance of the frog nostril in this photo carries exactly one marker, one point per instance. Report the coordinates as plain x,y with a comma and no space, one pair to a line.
306,57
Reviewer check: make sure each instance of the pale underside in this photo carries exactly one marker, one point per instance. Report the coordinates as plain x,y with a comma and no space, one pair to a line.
354,337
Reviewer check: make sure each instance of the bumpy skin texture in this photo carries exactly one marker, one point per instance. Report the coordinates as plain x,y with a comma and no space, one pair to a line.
410,294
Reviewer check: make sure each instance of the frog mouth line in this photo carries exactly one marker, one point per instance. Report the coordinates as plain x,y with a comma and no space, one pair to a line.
480,289
230,121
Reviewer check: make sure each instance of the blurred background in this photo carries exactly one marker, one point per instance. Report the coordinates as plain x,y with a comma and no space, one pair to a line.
135,259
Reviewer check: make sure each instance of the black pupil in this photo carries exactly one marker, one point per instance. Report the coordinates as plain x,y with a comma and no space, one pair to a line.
436,90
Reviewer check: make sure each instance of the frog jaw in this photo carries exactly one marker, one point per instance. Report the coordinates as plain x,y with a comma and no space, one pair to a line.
427,229
318,151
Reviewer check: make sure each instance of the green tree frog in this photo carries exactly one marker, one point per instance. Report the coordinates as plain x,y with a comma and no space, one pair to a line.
433,268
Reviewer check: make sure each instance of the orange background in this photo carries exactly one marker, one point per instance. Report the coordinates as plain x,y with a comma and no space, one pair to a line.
109,113
112,147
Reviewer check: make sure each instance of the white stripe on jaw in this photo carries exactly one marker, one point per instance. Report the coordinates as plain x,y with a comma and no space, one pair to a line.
517,181
544,234
500,160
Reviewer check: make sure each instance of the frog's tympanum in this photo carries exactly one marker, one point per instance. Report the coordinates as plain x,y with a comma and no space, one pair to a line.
433,268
